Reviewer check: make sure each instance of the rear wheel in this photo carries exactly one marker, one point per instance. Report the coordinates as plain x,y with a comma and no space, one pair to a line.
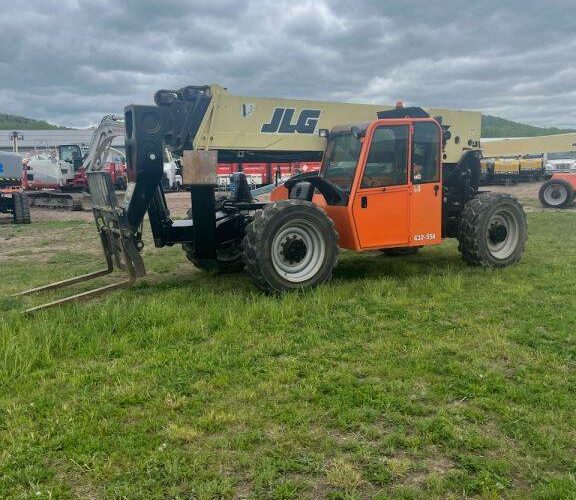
21,208
290,245
556,193
493,230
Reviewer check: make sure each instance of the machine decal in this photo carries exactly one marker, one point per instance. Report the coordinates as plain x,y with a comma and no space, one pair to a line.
424,237
247,109
282,121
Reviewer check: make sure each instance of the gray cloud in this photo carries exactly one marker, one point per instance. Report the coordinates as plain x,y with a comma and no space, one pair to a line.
71,61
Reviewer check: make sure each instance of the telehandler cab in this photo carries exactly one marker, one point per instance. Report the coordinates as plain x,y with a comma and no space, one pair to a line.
382,186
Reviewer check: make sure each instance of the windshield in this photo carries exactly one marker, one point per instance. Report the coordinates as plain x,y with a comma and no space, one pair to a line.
71,154
562,156
340,160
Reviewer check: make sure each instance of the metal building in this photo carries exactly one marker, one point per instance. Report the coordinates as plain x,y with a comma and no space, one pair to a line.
48,139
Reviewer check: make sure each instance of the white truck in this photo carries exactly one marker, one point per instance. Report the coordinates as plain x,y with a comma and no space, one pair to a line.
560,162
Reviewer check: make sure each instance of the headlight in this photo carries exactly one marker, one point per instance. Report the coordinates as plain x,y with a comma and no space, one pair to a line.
549,166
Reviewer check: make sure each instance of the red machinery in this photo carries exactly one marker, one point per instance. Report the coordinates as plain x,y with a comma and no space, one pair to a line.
58,181
262,174
559,191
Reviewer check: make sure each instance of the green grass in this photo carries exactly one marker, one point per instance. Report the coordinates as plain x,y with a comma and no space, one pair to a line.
403,378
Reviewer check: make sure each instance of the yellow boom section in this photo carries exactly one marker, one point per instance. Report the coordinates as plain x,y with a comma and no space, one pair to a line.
239,123
560,143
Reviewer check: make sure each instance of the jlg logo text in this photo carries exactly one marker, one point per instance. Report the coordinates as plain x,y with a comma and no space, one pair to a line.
282,121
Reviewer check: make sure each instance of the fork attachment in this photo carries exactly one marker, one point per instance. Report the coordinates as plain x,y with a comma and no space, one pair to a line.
121,246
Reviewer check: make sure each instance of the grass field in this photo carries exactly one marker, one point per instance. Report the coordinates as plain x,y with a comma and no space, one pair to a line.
403,378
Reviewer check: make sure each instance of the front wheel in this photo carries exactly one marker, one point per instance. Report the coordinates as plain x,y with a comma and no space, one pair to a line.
556,193
290,245
493,230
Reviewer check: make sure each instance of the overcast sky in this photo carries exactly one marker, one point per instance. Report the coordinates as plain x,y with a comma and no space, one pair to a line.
71,61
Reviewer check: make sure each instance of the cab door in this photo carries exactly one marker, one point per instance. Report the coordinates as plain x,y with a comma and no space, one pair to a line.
425,184
381,203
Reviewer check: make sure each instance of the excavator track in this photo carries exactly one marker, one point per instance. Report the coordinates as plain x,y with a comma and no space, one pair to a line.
55,200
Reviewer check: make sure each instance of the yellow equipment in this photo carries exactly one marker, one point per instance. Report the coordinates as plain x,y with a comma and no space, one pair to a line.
521,146
234,124
510,160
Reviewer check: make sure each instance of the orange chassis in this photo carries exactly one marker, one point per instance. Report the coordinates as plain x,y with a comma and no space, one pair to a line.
407,215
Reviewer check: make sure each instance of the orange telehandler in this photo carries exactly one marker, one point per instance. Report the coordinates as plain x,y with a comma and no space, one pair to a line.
382,185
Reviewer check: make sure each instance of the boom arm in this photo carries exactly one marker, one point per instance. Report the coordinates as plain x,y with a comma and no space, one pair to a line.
110,127
560,143
261,129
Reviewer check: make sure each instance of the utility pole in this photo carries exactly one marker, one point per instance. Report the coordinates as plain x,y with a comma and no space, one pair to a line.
15,136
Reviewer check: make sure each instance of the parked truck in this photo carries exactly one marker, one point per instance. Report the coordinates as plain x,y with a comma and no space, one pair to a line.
12,200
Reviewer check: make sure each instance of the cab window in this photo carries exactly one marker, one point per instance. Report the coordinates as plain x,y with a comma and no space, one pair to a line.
425,153
71,154
340,160
387,163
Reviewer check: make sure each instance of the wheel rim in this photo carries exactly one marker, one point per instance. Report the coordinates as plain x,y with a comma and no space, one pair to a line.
555,194
503,233
298,251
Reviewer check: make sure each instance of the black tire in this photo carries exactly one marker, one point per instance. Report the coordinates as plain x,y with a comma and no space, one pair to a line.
290,245
556,193
493,230
21,208
400,251
228,257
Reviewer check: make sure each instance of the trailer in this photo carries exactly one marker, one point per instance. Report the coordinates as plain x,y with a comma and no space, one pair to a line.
511,170
12,200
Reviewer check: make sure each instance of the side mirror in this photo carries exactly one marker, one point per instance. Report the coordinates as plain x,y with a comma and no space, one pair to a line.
355,132
324,133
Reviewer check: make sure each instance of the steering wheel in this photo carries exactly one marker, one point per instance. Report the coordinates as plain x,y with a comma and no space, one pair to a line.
368,181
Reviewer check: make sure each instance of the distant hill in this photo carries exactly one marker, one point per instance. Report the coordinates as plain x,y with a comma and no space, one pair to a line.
13,122
492,126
